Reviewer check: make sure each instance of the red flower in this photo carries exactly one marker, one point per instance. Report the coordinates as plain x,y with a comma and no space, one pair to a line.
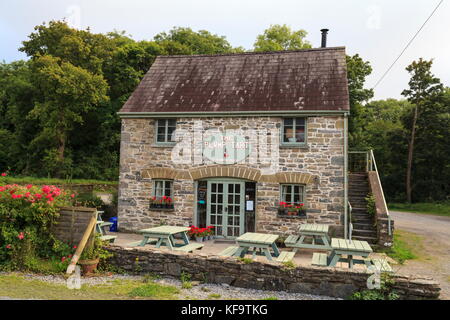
21,236
74,247
8,246
4,174
38,196
29,186
72,195
46,189
62,259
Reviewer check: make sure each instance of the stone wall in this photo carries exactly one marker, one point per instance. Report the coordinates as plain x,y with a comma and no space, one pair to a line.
322,158
332,282
385,238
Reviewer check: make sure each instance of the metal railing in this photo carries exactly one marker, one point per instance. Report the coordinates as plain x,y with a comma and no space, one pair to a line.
350,223
364,161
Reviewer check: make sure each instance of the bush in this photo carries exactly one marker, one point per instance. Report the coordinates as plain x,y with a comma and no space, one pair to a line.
384,293
89,200
26,216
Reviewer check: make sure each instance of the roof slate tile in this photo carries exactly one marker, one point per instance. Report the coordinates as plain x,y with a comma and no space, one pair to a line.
312,79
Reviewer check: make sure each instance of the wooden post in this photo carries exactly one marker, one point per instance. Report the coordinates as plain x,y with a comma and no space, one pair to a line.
87,233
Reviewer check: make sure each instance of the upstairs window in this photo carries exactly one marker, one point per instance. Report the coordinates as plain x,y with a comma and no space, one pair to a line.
165,131
294,131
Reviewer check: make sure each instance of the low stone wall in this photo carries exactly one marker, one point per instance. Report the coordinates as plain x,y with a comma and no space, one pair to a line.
334,282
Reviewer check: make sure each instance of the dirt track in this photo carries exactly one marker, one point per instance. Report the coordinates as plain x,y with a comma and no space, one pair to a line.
436,233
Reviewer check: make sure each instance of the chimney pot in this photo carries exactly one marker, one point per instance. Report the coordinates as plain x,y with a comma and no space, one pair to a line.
324,37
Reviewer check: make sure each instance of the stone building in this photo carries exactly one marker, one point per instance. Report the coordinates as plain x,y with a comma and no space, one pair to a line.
243,142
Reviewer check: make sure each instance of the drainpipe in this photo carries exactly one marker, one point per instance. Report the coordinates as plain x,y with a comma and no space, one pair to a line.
346,176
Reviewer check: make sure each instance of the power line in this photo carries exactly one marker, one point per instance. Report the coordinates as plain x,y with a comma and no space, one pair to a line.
407,46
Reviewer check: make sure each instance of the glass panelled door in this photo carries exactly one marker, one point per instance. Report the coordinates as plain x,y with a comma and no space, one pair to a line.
226,207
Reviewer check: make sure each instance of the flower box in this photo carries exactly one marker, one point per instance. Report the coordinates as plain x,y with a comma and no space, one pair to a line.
291,211
161,206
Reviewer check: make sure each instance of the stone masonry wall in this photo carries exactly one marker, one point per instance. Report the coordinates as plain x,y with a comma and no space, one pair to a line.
334,282
323,157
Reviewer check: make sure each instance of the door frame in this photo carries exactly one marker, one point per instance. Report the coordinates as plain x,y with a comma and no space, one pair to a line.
226,182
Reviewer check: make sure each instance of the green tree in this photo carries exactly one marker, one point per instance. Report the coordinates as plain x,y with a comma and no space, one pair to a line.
67,93
281,37
423,86
185,41
357,72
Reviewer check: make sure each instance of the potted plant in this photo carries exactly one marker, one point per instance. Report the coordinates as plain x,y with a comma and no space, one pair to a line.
210,232
283,208
91,256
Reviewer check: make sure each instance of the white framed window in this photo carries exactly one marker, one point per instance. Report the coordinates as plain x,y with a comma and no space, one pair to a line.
293,194
165,129
294,131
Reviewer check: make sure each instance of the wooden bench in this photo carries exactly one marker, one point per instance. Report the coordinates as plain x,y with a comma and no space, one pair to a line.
108,238
285,256
319,259
291,239
381,265
228,252
190,247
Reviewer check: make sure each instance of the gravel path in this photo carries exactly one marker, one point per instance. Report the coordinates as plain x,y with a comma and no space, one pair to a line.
436,233
199,291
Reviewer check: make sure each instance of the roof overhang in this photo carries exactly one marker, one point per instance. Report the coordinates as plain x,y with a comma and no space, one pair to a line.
232,114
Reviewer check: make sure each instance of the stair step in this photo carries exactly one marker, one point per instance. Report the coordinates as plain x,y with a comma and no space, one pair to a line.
365,233
363,226
370,240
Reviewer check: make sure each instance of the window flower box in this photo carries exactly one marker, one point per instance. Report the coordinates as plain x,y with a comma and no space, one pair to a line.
286,210
163,203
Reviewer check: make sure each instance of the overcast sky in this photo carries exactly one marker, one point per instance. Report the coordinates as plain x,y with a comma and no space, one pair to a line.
377,30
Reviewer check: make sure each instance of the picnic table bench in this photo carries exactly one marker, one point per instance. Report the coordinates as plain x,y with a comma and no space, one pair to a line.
347,248
315,231
100,228
165,235
252,242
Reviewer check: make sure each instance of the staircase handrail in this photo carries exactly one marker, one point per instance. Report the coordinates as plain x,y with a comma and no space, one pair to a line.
373,165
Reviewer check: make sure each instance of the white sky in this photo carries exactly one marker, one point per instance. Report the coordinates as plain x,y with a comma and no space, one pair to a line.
376,29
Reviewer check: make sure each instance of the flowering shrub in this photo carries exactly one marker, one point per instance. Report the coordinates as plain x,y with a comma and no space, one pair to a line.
26,215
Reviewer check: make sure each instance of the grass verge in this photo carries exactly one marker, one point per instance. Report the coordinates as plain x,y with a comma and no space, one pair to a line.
407,246
436,208
19,287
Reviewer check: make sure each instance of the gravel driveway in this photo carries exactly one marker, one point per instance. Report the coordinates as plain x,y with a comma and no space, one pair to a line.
436,233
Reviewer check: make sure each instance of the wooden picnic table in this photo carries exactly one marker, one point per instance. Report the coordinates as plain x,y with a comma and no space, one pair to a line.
264,242
349,248
316,231
164,235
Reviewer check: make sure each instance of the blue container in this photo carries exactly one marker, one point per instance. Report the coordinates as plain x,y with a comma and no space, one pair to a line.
113,227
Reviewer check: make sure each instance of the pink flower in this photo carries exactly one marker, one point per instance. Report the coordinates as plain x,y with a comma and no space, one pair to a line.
72,195
8,246
29,186
62,259
46,189
38,196
21,236
27,194
4,174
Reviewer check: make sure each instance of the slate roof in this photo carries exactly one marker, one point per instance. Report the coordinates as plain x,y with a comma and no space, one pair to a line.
312,79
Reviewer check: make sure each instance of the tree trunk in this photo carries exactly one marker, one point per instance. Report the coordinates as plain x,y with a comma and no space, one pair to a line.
410,157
